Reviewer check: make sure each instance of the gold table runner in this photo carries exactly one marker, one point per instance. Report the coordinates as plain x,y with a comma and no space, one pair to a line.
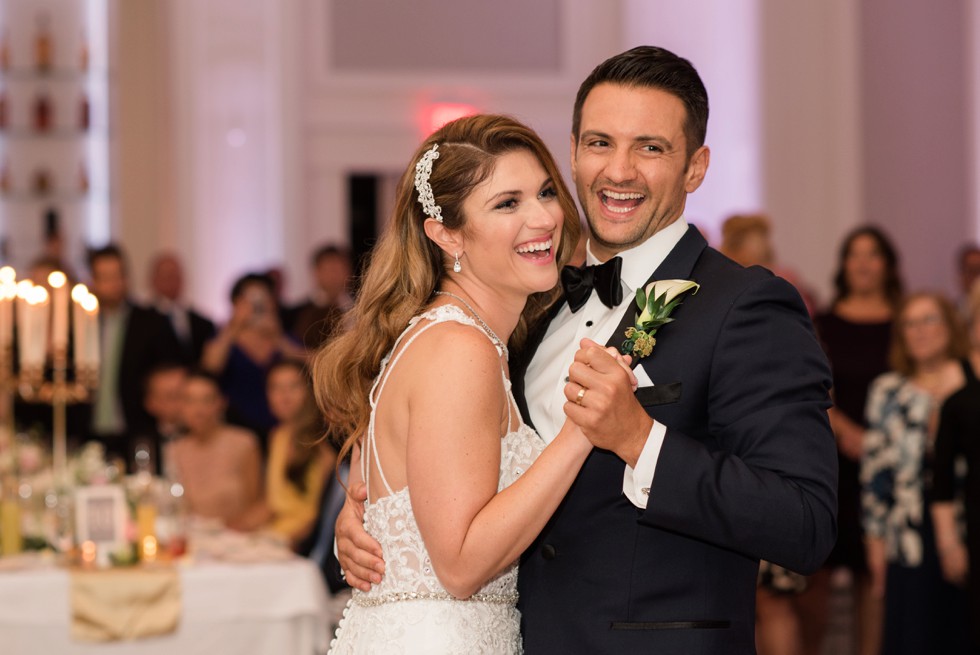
124,604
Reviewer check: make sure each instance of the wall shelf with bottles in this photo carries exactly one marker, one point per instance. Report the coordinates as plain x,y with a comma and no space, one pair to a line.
54,127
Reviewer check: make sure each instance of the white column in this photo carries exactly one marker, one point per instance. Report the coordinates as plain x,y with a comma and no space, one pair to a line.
234,75
721,39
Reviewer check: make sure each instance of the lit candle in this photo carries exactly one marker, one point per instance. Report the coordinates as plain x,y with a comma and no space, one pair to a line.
91,306
78,323
8,292
59,310
39,313
23,320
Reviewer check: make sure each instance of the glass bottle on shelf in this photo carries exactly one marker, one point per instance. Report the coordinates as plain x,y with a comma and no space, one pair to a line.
43,112
5,183
42,182
5,51
43,51
83,181
83,54
84,112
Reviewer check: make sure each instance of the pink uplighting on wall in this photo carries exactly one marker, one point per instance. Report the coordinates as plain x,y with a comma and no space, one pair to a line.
437,115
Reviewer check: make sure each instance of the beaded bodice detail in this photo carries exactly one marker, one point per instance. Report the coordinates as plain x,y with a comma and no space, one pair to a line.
390,519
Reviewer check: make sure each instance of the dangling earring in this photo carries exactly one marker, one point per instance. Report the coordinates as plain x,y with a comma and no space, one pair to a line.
457,267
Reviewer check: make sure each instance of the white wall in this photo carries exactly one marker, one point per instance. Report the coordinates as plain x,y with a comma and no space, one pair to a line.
791,101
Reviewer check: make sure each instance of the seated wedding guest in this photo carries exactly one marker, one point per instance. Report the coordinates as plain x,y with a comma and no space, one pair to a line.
959,437
193,329
967,272
219,465
300,460
312,321
746,238
133,339
162,399
923,612
246,348
856,334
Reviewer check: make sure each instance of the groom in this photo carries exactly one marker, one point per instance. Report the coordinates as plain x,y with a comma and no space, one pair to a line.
723,455
728,453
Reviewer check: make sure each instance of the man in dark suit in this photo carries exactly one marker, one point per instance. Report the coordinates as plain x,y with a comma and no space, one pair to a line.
314,320
728,453
722,456
134,339
192,329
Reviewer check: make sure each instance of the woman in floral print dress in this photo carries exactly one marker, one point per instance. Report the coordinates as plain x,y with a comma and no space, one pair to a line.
923,613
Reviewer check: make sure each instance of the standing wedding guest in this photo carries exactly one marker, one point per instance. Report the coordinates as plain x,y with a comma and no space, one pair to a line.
246,348
456,487
133,339
747,239
219,465
722,455
967,273
779,629
315,319
300,460
856,335
959,437
193,329
923,612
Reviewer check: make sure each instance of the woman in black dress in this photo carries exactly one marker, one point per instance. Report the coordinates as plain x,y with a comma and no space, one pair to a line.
856,335
959,436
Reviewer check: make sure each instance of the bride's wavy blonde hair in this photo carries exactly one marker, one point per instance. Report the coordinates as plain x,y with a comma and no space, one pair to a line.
406,267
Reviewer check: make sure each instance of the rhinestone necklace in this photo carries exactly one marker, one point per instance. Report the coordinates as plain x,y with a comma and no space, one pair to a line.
493,335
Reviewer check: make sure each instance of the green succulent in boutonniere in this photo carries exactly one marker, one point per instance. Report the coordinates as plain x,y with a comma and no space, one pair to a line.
656,303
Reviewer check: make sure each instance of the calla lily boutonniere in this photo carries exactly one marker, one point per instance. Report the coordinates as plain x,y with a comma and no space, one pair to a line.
656,303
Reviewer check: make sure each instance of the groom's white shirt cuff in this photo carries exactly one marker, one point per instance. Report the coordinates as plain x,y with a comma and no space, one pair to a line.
637,481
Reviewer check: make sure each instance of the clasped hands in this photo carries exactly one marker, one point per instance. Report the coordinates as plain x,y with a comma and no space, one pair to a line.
599,400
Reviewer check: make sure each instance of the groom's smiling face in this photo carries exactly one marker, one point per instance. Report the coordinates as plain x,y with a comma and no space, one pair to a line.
630,164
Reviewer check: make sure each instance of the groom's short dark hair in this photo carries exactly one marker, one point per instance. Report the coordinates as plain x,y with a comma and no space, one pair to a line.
650,66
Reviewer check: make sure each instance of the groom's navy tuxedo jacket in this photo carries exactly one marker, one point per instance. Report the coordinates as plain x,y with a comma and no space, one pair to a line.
748,470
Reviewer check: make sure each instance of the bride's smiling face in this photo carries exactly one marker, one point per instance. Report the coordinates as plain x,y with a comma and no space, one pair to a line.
513,226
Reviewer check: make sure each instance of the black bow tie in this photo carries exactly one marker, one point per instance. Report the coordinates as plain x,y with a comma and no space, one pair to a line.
604,278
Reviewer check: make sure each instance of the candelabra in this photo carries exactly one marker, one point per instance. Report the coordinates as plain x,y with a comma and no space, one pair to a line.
59,392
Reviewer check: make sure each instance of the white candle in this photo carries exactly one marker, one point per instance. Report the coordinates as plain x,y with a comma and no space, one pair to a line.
78,323
23,324
39,313
8,294
59,310
91,306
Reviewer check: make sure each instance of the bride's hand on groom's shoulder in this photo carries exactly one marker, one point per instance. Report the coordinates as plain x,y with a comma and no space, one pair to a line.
600,401
358,552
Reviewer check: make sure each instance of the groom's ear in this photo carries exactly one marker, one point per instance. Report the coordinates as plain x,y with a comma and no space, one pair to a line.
697,168
450,241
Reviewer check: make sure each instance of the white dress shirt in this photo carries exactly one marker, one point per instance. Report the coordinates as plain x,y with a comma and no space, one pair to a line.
547,373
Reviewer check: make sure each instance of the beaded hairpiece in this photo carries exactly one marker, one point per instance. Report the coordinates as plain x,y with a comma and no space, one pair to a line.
423,170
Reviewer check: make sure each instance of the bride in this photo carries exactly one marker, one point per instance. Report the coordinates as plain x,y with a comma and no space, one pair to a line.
419,380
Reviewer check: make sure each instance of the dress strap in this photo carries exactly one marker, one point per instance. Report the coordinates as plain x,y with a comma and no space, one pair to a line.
433,317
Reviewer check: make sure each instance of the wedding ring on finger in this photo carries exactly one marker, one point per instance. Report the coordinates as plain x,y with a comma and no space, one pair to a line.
579,396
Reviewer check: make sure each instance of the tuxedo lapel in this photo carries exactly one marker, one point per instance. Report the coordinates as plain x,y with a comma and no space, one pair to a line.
518,365
678,265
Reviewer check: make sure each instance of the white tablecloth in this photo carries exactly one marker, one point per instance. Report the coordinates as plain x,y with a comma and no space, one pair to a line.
236,609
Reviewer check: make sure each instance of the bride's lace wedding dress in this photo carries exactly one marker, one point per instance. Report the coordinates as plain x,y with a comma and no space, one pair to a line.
410,611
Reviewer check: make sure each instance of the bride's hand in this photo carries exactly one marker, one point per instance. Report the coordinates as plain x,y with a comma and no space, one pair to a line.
624,361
